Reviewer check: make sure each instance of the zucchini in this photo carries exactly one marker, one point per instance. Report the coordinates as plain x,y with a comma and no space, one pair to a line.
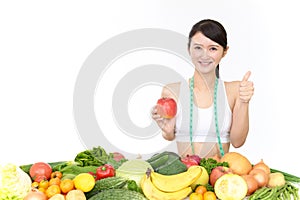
158,155
159,161
171,168
167,163
118,194
114,182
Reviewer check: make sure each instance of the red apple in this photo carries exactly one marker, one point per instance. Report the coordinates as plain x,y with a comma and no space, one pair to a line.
196,158
166,107
217,172
189,161
118,156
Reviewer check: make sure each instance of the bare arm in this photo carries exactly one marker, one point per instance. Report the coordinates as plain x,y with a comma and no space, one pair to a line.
240,124
240,119
167,125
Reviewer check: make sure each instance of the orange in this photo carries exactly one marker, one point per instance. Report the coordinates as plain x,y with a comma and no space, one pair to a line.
209,195
54,181
66,185
196,196
201,189
52,190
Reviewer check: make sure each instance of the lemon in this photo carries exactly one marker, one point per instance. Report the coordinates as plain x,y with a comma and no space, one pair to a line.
84,182
203,179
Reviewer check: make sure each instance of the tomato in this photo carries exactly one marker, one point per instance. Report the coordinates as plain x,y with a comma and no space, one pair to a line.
52,190
209,195
57,174
196,196
201,189
66,185
35,185
44,184
54,181
39,178
40,170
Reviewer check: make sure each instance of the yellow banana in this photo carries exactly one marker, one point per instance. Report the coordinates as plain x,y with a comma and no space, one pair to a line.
172,183
152,193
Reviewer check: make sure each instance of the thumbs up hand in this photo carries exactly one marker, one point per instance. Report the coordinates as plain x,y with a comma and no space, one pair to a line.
246,89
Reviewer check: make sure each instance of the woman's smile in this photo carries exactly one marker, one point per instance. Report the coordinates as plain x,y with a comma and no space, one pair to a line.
205,63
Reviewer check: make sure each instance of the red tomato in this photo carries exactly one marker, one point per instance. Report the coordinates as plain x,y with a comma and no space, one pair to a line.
39,178
40,169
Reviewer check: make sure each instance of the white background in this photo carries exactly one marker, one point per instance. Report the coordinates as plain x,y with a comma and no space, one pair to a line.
44,44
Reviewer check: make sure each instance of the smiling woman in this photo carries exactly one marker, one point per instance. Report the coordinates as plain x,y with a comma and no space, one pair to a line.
213,102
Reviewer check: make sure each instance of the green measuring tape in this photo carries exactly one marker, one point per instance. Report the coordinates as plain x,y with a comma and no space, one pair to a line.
215,114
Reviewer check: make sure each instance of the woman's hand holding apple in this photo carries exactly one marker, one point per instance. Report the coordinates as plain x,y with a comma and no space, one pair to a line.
163,113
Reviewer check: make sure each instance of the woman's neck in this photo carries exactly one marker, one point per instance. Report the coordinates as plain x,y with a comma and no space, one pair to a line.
204,81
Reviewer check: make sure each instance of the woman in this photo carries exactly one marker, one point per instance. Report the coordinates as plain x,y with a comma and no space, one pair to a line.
200,131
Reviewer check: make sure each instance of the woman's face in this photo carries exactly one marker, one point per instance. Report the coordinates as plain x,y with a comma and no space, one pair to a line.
205,53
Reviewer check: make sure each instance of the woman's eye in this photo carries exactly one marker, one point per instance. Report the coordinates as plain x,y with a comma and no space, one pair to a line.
213,49
197,47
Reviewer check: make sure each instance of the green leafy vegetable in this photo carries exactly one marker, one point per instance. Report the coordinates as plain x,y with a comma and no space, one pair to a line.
75,169
93,157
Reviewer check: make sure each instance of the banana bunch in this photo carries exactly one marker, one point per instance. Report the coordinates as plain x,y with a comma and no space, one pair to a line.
156,186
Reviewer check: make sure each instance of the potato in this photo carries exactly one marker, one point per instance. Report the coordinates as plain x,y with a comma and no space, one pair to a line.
75,194
57,197
276,179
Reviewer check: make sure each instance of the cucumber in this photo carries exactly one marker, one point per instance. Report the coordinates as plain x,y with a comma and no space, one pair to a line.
118,194
107,183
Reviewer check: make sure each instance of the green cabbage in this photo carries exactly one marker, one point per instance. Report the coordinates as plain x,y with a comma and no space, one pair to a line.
14,182
133,170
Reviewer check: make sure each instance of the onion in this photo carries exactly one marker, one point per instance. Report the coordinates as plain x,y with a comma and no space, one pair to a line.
35,195
260,176
263,166
251,183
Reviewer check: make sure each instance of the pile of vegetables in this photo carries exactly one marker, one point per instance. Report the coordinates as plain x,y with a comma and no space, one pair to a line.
119,178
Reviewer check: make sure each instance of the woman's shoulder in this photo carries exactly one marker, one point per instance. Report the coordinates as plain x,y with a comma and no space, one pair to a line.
171,90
